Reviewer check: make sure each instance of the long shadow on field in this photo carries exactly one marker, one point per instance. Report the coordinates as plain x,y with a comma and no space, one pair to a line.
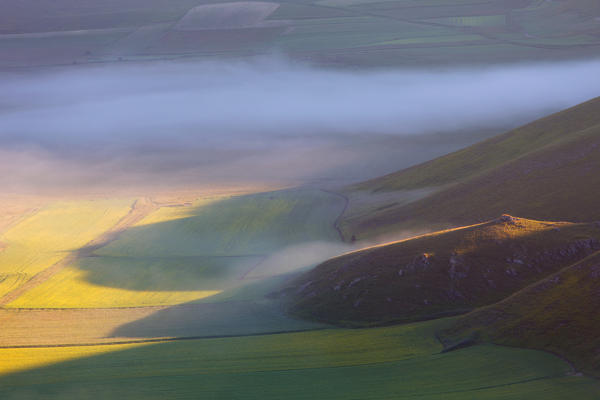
210,246
240,311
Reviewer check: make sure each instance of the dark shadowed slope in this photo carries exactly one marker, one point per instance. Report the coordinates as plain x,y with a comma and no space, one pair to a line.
439,274
545,170
558,314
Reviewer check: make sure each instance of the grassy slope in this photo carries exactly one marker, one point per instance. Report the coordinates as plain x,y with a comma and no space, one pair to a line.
556,314
531,171
177,255
332,364
439,274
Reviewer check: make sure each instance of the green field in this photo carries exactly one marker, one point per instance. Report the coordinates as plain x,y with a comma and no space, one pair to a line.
480,20
402,362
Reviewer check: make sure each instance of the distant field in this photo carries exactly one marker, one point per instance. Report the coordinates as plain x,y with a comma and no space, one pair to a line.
480,20
403,362
227,15
327,31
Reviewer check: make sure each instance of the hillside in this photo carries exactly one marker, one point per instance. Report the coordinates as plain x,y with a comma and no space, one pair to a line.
557,314
532,171
439,274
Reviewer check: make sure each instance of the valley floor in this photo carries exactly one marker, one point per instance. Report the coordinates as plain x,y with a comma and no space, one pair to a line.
136,337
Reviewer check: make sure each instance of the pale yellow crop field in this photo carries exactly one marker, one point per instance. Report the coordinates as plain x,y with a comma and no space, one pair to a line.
72,288
98,282
49,235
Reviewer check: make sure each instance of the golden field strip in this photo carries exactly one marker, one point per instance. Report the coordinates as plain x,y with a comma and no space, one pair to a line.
51,234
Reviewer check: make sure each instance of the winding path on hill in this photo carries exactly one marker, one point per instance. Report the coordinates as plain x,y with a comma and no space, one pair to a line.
336,223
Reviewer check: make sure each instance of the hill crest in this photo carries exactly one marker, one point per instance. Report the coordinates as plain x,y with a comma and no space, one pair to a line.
443,273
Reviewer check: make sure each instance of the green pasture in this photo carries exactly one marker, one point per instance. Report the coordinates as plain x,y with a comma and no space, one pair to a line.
401,362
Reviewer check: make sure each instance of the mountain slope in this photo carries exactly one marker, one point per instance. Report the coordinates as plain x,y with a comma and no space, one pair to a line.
439,274
532,171
557,314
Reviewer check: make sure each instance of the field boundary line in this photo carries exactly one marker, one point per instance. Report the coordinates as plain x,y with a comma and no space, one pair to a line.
158,340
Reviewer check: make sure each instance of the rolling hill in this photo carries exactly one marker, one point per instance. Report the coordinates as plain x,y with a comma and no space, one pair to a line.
438,274
545,170
556,314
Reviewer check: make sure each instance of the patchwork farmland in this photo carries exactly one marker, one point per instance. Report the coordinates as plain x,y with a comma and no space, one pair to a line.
332,32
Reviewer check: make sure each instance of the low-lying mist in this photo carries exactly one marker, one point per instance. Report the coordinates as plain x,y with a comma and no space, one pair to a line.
300,256
260,119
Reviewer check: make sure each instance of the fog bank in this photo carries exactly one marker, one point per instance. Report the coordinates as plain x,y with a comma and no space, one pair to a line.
259,116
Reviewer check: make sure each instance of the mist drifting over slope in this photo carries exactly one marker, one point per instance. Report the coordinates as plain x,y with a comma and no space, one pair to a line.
261,117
